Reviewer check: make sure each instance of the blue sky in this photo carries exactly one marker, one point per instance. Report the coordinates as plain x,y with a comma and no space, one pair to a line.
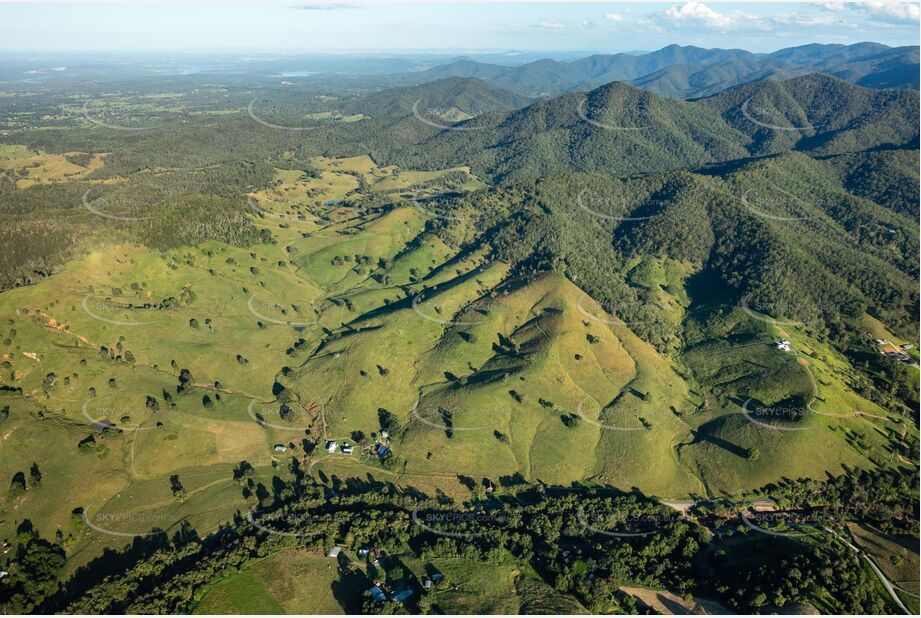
382,26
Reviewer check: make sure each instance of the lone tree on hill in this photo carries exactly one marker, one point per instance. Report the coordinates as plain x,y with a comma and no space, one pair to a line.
176,487
185,381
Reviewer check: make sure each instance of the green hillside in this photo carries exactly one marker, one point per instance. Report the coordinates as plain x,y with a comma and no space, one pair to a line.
504,371
552,351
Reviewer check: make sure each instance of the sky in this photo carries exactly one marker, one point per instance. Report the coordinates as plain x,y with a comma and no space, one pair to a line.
305,26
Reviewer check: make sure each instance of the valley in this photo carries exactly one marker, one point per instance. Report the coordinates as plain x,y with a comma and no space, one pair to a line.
343,318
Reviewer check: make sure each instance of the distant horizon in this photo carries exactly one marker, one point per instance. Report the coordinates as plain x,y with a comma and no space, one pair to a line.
455,53
291,27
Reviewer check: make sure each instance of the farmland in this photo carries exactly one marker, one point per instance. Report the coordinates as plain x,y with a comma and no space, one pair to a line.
249,334
284,343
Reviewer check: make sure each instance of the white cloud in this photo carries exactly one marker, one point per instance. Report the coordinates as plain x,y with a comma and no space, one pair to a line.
897,11
550,24
614,17
889,11
806,19
699,15
326,6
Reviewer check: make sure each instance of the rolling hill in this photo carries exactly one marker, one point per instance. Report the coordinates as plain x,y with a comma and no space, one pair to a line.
620,365
257,352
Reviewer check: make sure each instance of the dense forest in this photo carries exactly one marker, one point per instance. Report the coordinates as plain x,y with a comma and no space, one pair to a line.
565,535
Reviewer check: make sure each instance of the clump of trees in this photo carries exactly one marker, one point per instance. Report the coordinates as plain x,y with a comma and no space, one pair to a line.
177,488
185,382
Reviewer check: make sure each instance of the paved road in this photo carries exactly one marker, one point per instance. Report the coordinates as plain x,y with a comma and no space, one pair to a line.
886,583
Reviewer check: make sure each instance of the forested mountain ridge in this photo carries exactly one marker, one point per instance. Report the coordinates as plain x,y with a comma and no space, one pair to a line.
469,95
818,114
788,230
626,130
691,72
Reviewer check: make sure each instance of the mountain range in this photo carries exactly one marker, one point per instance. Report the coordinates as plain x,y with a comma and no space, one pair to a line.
688,72
624,130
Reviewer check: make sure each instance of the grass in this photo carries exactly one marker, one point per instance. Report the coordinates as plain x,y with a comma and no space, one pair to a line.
538,597
336,116
36,167
567,394
292,581
471,587
456,368
216,327
666,602
896,557
242,593
298,581
738,360
401,180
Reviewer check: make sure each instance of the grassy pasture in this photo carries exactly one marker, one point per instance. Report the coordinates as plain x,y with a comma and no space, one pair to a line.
292,581
349,314
126,321
34,167
737,363
897,558
472,587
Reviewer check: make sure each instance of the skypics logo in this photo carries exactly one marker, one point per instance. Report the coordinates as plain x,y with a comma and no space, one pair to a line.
432,312
602,207
606,318
113,203
584,115
756,114
92,111
775,516
417,204
758,206
600,413
789,524
130,524
440,418
94,206
282,523
259,308
253,205
100,417
93,306
783,418
251,112
430,118
288,414
330,118
626,524
460,524
763,310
